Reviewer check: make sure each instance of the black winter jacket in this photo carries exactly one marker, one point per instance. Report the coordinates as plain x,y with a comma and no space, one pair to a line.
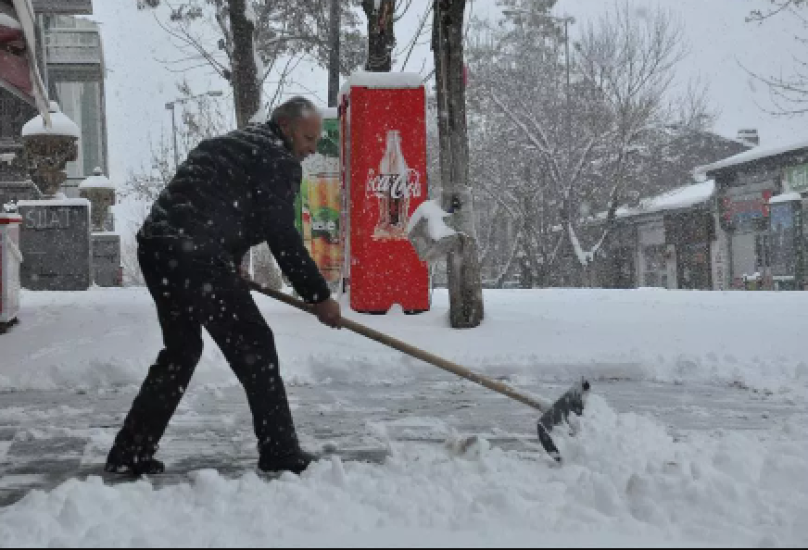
234,192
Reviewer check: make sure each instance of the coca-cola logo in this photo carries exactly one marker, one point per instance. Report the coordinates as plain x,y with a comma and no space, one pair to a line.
395,186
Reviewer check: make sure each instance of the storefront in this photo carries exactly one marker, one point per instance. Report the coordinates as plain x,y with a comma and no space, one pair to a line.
653,255
744,213
785,242
761,208
691,235
675,236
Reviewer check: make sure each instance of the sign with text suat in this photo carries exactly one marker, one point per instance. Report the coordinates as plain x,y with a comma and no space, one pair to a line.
55,242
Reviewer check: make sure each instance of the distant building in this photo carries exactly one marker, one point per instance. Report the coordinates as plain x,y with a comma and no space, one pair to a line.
665,240
72,60
761,200
75,62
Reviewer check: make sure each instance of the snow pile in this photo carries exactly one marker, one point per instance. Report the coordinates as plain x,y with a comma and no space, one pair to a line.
97,181
626,483
435,216
429,234
55,202
786,197
9,22
364,79
385,80
330,113
109,337
61,125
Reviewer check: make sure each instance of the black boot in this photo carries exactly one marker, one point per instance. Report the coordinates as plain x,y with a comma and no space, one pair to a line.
132,461
295,460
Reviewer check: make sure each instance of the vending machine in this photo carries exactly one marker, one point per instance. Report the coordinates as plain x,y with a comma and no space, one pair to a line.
10,259
319,204
383,162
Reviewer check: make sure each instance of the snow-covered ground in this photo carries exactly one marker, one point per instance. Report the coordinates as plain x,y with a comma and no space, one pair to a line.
108,338
627,480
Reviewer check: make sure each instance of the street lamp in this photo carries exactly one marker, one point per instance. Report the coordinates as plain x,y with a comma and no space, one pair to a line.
171,107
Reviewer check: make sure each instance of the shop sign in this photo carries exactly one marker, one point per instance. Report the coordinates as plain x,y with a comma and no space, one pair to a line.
796,179
745,213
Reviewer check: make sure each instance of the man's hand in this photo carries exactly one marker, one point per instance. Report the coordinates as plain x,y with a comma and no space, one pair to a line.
329,313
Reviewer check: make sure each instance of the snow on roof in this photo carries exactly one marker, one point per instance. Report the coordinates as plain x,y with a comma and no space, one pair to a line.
55,202
9,22
678,199
6,218
753,155
97,181
60,125
786,197
365,79
330,113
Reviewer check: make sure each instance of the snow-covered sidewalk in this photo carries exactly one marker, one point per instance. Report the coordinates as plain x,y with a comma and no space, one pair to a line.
679,464
107,338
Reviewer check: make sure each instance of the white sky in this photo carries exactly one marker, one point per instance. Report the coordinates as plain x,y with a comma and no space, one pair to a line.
139,85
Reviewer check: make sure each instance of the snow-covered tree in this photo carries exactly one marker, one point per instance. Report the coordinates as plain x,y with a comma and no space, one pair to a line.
571,137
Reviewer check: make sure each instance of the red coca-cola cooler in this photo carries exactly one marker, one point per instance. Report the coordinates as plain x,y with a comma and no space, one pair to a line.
10,259
383,163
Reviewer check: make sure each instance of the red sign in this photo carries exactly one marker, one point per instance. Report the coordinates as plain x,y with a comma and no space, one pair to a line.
386,163
19,73
742,212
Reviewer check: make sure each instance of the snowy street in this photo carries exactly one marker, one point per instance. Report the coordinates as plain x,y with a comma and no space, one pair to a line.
214,427
696,432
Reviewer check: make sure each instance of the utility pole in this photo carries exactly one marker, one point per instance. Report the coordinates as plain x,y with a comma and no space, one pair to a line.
334,55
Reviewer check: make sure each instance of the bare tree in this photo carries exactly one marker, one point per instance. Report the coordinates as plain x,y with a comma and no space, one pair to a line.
788,94
465,282
249,41
203,118
244,41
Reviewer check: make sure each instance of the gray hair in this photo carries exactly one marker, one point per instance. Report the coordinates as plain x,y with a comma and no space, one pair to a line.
293,110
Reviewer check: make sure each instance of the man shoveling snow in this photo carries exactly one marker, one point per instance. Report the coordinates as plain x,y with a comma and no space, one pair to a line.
232,193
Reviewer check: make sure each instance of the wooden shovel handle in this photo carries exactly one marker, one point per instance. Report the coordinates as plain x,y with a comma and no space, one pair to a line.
403,347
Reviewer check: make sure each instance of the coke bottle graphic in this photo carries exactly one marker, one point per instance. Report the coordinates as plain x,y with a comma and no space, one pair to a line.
391,187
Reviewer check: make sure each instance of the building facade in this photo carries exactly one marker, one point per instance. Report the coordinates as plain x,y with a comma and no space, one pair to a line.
762,199
742,229
667,241
71,57
75,62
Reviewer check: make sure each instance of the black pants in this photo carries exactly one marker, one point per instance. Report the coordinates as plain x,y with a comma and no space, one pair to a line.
192,293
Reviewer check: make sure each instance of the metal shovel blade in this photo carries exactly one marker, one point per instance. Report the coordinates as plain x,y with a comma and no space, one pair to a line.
558,414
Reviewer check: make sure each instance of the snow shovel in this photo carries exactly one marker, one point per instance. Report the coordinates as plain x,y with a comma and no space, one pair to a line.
554,414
